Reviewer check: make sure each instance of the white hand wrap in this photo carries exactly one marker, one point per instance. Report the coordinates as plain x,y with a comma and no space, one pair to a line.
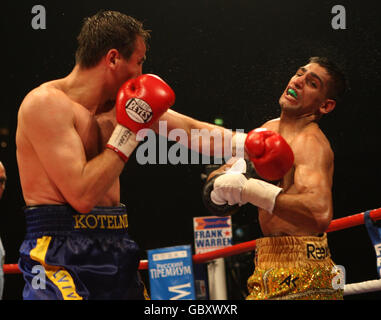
122,141
260,193
233,188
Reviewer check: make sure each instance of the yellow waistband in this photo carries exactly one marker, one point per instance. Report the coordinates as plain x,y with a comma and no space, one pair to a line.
292,251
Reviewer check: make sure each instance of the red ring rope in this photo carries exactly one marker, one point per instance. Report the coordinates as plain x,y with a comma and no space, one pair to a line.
335,225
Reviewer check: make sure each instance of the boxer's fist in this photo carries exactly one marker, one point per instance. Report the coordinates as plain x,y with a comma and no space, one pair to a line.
270,153
233,189
219,209
139,103
223,202
215,203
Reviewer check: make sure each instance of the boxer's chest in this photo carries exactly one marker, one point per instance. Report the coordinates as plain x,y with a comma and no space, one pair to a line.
94,131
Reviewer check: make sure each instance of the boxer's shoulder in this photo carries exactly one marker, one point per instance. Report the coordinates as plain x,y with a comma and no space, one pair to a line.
46,96
272,125
312,142
312,135
46,102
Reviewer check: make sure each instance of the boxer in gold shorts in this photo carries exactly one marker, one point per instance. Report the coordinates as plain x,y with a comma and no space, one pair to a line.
293,259
293,268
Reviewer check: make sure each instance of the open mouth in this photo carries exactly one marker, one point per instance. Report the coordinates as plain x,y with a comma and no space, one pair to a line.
291,92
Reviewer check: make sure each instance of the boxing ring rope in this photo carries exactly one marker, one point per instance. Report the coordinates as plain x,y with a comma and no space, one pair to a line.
362,287
335,225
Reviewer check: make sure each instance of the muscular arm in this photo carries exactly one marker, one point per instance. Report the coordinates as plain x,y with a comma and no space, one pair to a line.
308,202
47,121
205,137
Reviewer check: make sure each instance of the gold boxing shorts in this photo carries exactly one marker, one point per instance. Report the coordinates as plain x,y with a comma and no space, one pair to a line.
294,268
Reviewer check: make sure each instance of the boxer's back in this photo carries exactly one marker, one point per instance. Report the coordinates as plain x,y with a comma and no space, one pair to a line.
93,130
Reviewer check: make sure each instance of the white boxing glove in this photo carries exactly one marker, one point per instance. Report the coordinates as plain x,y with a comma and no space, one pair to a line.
227,187
234,188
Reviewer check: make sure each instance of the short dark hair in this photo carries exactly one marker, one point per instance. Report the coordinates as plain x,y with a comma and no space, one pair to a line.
104,31
337,85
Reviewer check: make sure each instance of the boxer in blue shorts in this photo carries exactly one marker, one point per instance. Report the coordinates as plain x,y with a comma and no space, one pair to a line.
74,136
72,144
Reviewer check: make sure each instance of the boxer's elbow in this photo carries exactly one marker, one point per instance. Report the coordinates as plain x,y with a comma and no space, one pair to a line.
322,215
81,201
322,223
82,205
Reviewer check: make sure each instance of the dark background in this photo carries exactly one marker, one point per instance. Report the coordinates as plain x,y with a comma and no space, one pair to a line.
223,58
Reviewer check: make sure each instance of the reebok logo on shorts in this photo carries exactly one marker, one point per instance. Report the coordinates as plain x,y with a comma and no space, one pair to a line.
315,252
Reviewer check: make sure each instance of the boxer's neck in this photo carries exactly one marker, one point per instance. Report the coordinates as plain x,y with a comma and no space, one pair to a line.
88,88
292,125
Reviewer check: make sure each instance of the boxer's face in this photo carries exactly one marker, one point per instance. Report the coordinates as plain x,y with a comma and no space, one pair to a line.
126,69
133,67
306,92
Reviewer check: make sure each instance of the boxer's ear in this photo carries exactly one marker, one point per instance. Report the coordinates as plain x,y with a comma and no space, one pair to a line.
112,57
328,106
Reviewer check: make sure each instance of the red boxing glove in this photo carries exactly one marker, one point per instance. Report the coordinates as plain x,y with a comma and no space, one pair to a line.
139,103
270,154
142,100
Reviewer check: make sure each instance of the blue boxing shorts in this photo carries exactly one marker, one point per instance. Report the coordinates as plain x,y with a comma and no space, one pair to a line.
69,255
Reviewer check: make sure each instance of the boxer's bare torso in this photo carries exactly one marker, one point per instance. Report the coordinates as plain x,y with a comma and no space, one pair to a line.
61,154
305,205
311,175
63,126
91,130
